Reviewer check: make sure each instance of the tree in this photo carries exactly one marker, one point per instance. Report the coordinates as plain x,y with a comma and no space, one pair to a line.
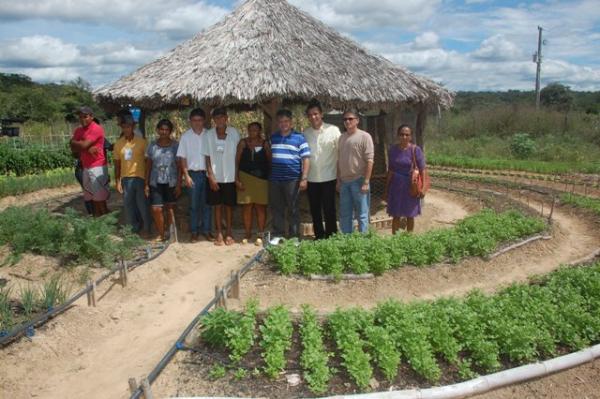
557,96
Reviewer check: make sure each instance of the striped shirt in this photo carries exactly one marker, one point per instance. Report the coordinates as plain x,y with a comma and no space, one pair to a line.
288,153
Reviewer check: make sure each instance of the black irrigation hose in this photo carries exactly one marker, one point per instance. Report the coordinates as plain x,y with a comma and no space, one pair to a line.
28,328
179,343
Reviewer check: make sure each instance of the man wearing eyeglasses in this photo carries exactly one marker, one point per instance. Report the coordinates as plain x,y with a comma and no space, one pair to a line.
355,165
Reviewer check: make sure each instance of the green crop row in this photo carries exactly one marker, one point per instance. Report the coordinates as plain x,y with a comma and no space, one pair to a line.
31,159
479,333
513,164
71,237
580,201
477,235
16,185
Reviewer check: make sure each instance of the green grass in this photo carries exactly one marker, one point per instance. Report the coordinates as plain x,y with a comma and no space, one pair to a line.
580,201
513,164
16,185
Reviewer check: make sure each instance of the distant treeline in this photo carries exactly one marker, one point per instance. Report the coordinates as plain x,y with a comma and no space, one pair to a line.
23,99
554,95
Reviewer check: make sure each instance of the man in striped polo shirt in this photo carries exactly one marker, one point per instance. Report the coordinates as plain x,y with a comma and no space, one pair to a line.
289,172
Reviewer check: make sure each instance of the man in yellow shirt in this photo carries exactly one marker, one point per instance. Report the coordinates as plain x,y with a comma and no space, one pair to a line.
130,171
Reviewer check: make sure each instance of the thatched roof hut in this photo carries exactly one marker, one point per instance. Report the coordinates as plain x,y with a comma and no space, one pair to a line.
267,50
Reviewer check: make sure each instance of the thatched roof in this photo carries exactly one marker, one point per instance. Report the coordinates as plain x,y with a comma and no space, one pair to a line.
270,49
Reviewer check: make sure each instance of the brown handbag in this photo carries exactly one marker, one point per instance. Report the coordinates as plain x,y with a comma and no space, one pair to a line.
419,179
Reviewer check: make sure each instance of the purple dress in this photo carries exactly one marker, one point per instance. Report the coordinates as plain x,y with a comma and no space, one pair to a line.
400,203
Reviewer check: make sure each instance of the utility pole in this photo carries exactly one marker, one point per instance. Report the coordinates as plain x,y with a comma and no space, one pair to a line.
537,58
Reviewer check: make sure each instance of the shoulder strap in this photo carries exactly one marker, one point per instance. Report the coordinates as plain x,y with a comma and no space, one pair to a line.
414,157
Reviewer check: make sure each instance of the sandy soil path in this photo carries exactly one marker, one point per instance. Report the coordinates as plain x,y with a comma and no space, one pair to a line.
91,352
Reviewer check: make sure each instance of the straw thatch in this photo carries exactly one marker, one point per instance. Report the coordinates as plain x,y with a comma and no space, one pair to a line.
269,49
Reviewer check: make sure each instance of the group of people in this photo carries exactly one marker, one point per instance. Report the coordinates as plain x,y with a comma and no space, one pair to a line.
222,170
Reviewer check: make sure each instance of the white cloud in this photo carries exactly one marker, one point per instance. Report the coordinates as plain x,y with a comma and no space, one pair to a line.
176,18
498,48
426,40
38,51
349,15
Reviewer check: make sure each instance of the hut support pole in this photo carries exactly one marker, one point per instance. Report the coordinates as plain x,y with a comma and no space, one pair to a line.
420,128
269,111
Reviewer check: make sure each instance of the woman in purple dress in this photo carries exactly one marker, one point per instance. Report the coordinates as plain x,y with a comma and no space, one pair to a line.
397,185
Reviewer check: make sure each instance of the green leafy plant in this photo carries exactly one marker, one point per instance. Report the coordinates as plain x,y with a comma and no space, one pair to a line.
276,335
29,300
314,357
6,314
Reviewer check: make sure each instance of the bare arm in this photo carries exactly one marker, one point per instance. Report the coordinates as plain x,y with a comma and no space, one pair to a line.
212,181
238,158
118,176
183,171
305,169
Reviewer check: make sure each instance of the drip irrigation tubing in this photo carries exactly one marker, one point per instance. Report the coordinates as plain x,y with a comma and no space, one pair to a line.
179,344
28,328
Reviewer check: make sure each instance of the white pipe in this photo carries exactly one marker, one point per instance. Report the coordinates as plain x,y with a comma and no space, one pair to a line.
481,384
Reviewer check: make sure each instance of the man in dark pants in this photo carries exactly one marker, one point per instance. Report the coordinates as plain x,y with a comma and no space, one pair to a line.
322,138
289,174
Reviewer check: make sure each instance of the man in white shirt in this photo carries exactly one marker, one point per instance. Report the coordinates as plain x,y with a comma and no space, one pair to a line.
220,147
322,138
193,168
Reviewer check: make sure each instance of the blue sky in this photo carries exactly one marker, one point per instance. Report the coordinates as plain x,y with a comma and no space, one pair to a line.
464,44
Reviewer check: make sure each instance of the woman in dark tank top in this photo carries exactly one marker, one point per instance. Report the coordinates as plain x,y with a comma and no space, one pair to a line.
253,161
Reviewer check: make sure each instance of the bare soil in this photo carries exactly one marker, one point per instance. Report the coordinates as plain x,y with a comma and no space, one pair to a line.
91,352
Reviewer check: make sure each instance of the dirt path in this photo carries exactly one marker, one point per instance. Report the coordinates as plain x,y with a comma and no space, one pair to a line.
38,196
91,352
573,238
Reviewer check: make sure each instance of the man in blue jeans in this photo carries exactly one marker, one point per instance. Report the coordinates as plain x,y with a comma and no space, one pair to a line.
193,169
355,165
290,165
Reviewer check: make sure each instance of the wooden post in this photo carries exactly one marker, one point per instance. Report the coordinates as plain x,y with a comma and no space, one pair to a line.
552,208
146,389
88,286
223,297
218,300
234,292
133,386
124,273
420,128
269,116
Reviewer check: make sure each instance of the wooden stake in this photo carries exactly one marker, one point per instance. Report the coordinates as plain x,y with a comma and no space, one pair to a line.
223,298
234,291
133,386
552,208
218,300
146,389
93,293
88,286
124,271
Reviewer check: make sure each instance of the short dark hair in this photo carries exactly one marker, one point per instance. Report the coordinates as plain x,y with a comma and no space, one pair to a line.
284,113
164,122
352,111
126,119
257,124
314,103
403,126
221,111
197,112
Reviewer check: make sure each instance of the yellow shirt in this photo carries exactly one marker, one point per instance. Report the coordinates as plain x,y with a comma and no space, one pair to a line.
132,156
